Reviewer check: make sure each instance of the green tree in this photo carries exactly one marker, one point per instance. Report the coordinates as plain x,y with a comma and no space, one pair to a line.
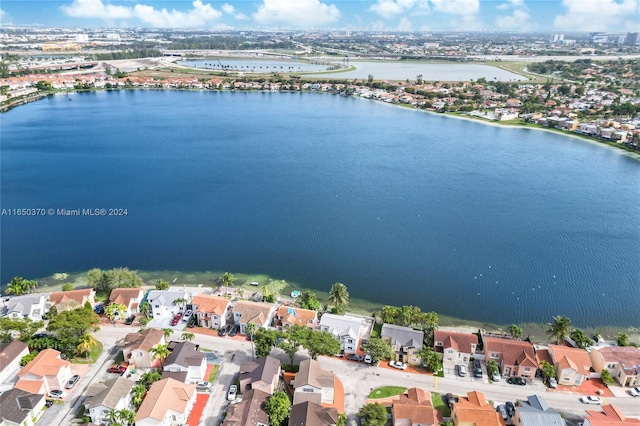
180,302
68,327
492,368
43,85
162,285
277,407
145,308
24,328
105,281
377,348
28,358
126,417
167,332
342,420
137,395
338,295
160,352
581,339
150,377
67,287
373,415
112,417
228,279
622,339
606,378
264,341
250,330
322,343
515,331
188,336
430,359
559,329
547,370
308,300
113,310
19,286
370,78
87,341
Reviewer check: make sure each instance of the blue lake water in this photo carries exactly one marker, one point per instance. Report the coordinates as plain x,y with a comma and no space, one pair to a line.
487,223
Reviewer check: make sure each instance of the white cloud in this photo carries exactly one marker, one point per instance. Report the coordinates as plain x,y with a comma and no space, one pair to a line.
227,8
390,8
200,15
5,19
590,15
457,7
405,25
519,18
297,13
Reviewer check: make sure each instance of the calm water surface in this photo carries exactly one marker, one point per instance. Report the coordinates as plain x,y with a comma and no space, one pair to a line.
475,221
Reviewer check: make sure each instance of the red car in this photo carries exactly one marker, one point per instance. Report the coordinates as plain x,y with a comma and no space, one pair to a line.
117,369
176,319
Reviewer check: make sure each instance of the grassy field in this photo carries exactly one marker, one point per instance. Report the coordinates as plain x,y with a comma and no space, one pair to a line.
386,391
214,373
439,404
519,68
96,350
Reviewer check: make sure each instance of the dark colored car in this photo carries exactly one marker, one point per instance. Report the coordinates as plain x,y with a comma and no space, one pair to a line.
129,320
222,331
48,403
511,409
477,368
72,381
355,357
517,381
234,330
99,309
192,323
449,399
117,369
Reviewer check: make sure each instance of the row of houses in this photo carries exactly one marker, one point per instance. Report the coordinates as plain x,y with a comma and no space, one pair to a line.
35,306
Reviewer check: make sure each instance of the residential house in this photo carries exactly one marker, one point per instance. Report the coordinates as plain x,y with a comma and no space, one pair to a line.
572,365
258,313
114,394
610,415
314,384
166,304
211,311
46,372
168,403
405,342
535,411
311,414
413,408
262,374
622,362
455,348
129,297
72,299
346,328
10,355
137,346
32,306
20,408
186,358
515,358
474,410
288,316
249,412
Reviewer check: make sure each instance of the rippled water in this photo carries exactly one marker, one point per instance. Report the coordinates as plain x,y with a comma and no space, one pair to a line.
496,224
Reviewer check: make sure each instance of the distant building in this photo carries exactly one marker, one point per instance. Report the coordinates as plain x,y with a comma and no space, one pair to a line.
631,39
598,37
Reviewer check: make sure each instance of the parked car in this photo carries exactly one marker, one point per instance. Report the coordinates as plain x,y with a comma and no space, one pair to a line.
222,331
503,411
516,381
355,357
176,319
72,381
129,320
495,377
595,400
203,386
187,315
552,382
368,359
397,364
193,322
117,369
511,408
462,370
57,394
634,391
449,399
233,392
477,368
234,330
99,309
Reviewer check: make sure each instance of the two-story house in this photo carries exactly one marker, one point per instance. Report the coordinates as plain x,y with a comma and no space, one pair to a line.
474,409
405,342
454,348
130,298
311,414
535,411
166,304
288,316
212,311
622,362
72,299
10,355
137,346
258,313
414,407
250,411
18,407
611,415
186,359
572,365
346,328
46,372
314,384
168,403
114,394
262,374
32,306
515,358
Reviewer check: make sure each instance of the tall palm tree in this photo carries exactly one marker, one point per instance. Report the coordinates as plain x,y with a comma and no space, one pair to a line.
250,330
560,328
179,302
188,336
137,395
161,352
228,279
144,308
18,286
514,330
338,295
167,332
126,417
112,416
87,341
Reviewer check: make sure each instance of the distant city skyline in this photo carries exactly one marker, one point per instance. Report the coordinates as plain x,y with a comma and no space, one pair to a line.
618,16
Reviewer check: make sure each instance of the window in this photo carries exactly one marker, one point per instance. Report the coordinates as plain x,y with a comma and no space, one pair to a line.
619,374
527,369
494,355
450,351
307,390
611,366
438,343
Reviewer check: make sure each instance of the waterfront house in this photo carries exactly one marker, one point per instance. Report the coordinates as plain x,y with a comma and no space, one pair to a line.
137,346
610,415
622,362
114,394
312,383
46,372
258,313
515,358
454,348
346,328
249,412
572,365
262,374
72,299
187,359
211,311
166,304
20,408
474,409
288,316
311,414
168,403
535,411
130,298
10,355
405,342
32,306
414,407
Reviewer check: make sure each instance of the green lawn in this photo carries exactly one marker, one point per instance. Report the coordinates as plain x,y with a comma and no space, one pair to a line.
96,350
386,391
439,404
214,373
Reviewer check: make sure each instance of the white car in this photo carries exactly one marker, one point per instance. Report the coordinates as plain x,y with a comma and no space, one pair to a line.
634,391
397,364
595,400
495,377
203,386
57,394
233,392
368,359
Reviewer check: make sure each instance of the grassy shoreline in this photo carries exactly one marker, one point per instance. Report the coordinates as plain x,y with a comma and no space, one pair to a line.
536,331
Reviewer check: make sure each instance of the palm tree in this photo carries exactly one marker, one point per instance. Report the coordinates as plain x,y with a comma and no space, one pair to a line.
228,279
161,352
188,336
137,395
87,341
127,417
250,330
112,309
338,295
560,328
144,308
514,330
112,416
19,286
179,302
167,332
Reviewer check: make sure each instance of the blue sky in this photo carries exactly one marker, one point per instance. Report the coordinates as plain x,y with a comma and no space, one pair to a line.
405,15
